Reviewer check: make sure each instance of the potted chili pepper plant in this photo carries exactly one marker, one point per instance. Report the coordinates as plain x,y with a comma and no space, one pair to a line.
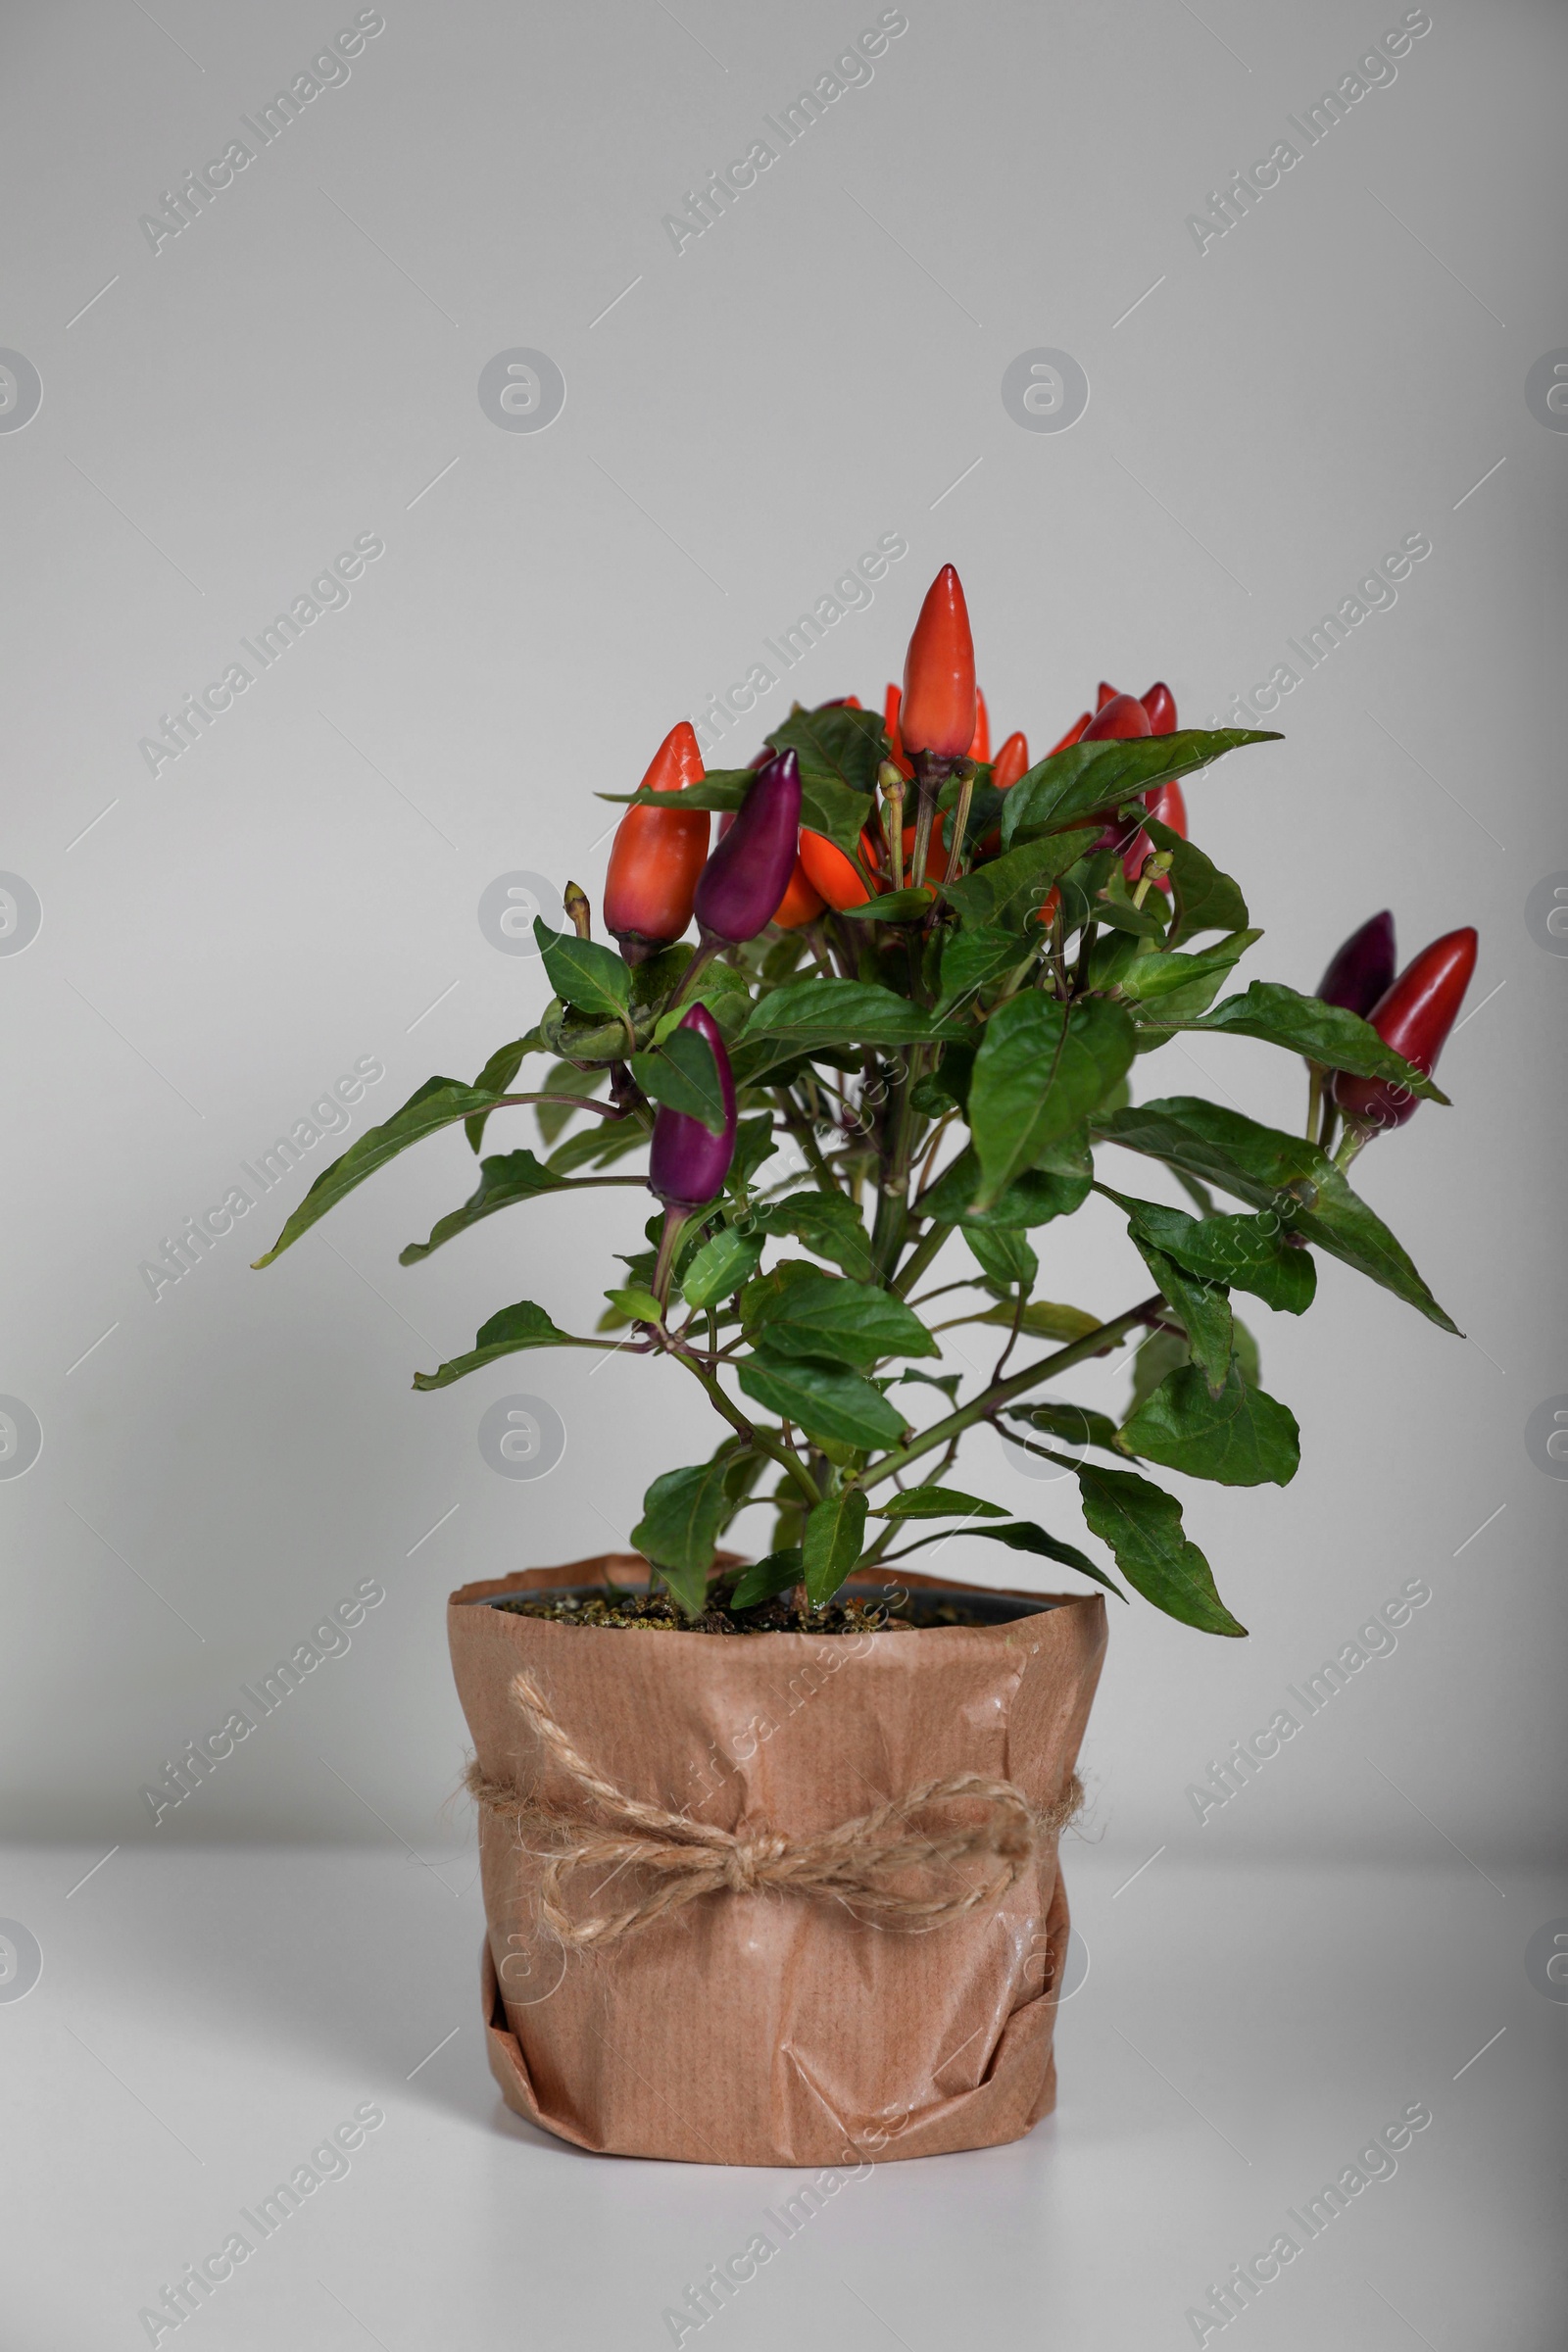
781,1885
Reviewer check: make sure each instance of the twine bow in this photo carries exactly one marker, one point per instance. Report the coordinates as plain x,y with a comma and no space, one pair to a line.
851,1864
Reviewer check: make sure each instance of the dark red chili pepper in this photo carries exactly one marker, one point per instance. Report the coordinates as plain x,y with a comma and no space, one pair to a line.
1414,1016
1075,734
938,711
1160,705
656,856
686,1164
749,871
1121,716
1103,694
1362,973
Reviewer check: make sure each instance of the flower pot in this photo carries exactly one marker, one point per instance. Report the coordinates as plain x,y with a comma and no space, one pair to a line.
903,2007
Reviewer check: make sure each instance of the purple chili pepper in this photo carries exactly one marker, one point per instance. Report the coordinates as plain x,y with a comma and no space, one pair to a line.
686,1164
750,869
1363,969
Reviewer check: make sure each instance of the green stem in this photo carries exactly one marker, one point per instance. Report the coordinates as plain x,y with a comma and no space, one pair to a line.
921,1256
1093,1343
789,1462
1314,1100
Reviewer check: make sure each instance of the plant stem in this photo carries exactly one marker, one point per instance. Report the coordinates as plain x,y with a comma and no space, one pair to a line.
1314,1100
788,1461
707,948
1093,1343
664,1265
924,1251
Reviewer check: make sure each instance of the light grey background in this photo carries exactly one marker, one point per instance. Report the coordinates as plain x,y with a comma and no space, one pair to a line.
300,890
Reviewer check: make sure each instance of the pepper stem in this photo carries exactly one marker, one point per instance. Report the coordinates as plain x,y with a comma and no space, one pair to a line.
1314,1100
676,1215
574,898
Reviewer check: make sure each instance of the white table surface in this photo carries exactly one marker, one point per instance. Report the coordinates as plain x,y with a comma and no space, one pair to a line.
205,2018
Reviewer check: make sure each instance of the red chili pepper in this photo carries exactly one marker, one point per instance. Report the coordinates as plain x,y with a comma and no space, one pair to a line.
890,727
844,701
1414,1016
800,903
937,714
1121,716
657,857
1104,694
1046,911
980,744
831,873
1010,762
1160,705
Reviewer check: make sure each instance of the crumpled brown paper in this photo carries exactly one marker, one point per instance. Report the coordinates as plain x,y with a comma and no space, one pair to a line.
759,2027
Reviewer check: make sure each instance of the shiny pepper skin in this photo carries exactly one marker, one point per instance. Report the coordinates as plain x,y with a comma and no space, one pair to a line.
1011,763
1362,971
938,710
657,855
686,1164
1414,1016
750,870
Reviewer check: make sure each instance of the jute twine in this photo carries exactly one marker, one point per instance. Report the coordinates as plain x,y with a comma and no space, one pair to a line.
683,1859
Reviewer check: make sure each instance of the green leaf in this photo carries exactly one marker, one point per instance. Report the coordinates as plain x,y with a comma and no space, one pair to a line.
582,973
950,1383
1282,1174
1142,1526
1152,978
828,1223
937,1502
1205,900
1240,1438
1162,1352
1023,1534
722,788
1042,1067
835,745
1005,888
1325,1033
1245,1252
507,1334
799,1310
1031,1198
504,1178
971,959
1090,777
595,1147
1074,1424
835,1528
720,1266
683,1512
826,1400
440,1103
561,1078
894,907
805,1013
683,1074
1203,1308
755,1142
766,1577
1045,1319
635,1304
1004,1257
496,1079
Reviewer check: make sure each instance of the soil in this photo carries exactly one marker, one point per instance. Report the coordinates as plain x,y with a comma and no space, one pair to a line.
656,1613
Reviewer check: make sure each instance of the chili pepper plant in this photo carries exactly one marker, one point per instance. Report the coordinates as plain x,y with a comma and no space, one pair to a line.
922,980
